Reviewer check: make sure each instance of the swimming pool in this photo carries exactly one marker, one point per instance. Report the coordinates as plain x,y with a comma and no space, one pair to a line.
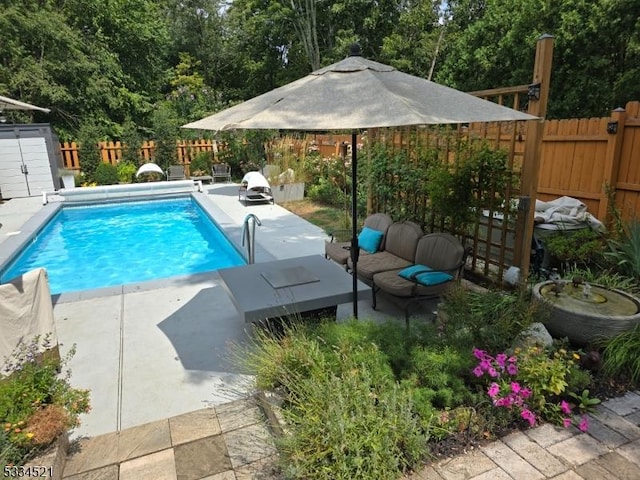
94,246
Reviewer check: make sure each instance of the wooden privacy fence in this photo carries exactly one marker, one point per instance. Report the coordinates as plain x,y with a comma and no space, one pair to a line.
112,152
589,158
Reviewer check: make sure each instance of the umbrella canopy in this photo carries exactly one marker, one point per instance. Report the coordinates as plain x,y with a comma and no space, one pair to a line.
149,168
7,103
356,94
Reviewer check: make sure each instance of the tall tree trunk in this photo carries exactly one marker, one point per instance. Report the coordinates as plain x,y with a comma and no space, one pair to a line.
305,26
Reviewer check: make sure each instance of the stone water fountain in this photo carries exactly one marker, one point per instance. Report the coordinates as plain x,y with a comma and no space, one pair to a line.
584,312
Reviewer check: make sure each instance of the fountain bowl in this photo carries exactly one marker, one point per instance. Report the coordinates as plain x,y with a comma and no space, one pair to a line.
587,316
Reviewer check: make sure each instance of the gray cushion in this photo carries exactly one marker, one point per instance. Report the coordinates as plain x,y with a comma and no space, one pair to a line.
337,252
394,284
439,251
370,264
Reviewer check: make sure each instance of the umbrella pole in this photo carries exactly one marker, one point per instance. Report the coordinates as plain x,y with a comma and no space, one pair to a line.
354,214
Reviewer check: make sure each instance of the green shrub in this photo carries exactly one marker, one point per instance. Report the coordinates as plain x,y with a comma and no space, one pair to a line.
106,174
165,133
621,355
201,164
625,251
488,320
582,247
88,149
326,192
365,427
607,278
126,172
440,373
269,357
131,143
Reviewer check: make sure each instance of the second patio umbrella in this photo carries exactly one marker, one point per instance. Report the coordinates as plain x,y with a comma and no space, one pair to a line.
356,94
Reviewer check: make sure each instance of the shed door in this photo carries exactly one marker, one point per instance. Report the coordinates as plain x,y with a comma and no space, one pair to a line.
24,168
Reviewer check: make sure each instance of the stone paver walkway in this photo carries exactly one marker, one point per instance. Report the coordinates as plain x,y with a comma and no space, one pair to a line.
234,441
226,442
610,450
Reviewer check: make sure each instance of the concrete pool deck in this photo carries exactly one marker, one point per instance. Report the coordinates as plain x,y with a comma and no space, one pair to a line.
159,349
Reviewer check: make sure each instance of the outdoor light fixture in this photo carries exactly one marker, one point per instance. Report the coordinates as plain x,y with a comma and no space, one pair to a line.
612,127
533,91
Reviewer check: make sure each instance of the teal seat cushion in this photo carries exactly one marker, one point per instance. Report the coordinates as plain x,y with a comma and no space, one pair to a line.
369,239
424,275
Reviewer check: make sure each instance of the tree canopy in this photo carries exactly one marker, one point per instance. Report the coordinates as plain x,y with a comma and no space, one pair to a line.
107,63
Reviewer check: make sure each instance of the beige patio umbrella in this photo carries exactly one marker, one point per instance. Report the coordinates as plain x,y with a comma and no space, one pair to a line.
356,94
7,103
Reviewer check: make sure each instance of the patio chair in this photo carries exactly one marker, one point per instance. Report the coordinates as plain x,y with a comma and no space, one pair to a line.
221,170
438,265
399,251
176,172
340,252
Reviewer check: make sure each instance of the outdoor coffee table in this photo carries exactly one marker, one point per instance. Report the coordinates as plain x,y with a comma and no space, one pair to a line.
294,286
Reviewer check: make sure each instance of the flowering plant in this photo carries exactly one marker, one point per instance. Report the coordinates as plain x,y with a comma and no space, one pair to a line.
37,401
507,392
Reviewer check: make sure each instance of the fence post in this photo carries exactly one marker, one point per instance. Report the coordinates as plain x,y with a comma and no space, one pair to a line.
532,150
615,129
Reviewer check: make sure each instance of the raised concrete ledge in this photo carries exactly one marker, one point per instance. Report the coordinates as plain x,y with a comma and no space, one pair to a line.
133,190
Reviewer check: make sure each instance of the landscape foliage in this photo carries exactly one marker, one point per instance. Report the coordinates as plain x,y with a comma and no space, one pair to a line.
37,401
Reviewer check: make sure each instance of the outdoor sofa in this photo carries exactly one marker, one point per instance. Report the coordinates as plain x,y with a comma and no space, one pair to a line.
399,251
438,263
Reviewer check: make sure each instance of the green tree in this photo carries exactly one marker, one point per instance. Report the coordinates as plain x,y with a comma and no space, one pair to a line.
413,45
89,135
131,142
165,133
596,50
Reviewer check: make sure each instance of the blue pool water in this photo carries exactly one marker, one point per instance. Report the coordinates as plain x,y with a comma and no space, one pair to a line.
120,243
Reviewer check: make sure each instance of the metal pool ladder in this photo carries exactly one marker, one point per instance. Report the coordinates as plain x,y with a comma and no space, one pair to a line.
248,234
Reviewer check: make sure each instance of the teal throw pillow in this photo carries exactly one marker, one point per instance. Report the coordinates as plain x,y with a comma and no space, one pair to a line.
369,239
424,275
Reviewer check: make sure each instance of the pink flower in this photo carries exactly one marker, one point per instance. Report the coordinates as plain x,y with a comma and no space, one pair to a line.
485,365
501,359
515,387
478,371
566,422
512,369
529,416
494,389
479,354
493,372
513,359
525,392
584,424
565,408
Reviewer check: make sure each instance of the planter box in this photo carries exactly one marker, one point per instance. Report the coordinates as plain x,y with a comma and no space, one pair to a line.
68,181
288,192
